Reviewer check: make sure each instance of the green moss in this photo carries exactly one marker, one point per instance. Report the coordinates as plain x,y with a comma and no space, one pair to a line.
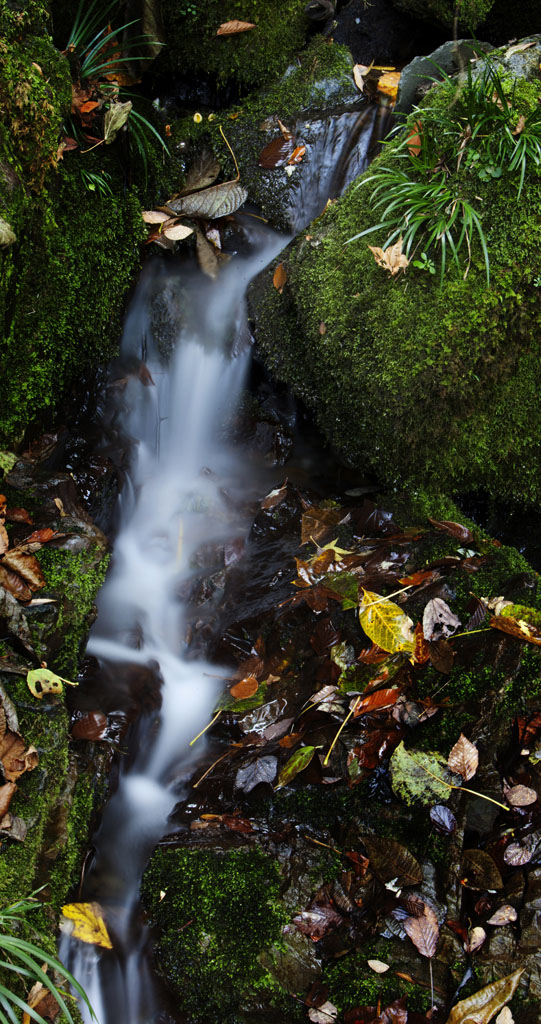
419,382
248,58
74,579
352,983
219,913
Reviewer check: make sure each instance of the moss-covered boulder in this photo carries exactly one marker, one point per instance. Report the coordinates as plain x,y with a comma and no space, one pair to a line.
415,379
246,58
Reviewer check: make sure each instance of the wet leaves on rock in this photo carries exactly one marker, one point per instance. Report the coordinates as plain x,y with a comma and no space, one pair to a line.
487,1002
390,860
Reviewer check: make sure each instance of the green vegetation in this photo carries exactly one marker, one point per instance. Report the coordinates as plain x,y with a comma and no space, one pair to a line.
218,915
74,579
249,58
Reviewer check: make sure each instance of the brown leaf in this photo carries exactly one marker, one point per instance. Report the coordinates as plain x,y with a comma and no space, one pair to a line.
441,656
202,172
279,277
13,583
421,654
18,515
14,756
4,539
372,655
7,791
456,530
463,758
480,871
520,796
211,203
517,855
277,153
424,931
155,216
245,688
274,497
91,726
41,536
414,138
503,915
375,701
27,566
392,258
297,155
475,939
231,28
519,629
485,1004
390,860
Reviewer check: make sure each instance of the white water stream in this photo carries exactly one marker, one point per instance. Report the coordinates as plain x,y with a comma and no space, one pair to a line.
171,505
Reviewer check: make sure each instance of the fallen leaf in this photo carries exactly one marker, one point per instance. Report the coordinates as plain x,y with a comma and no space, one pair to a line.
322,328
202,172
42,680
516,855
414,138
359,72
505,1016
391,861
520,796
231,28
392,258
155,216
463,758
26,566
475,940
438,620
388,84
91,726
87,924
261,770
279,277
18,515
503,915
41,536
519,629
297,155
277,153
480,871
211,203
418,775
482,1006
375,701
245,688
456,530
424,931
207,256
15,758
517,48
274,497
7,234
297,763
43,1001
177,232
7,792
386,624
378,966
421,653
443,819
441,655
4,539
324,1014
520,125
115,119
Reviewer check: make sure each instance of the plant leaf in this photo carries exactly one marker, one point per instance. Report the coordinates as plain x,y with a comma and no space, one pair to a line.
438,620
480,871
115,119
247,687
177,232
297,763
482,1006
7,235
443,819
390,860
386,624
47,681
88,924
424,931
279,278
232,28
463,758
409,777
503,915
210,203
325,1014
520,796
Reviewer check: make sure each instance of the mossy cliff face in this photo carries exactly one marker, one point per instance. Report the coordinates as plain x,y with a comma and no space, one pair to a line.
421,382
247,58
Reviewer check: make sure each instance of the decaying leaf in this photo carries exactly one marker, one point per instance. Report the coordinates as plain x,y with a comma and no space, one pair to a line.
386,624
155,216
424,931
378,966
177,232
279,277
7,235
480,871
359,72
211,203
92,726
388,84
516,855
463,758
245,688
505,1016
202,172
325,1014
418,775
517,48
261,770
15,758
518,628
43,1001
438,620
277,152
475,939
7,792
503,915
392,258
443,819
115,119
457,530
390,860
26,566
297,763
482,1006
232,28
84,921
42,680
520,796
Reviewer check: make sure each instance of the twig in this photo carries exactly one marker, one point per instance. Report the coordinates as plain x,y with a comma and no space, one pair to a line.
232,154
218,713
208,771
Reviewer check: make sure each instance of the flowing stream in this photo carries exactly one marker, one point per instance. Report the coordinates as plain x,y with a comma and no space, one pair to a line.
170,506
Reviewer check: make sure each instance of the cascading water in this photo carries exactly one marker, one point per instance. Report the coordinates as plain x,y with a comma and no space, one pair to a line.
171,504
170,507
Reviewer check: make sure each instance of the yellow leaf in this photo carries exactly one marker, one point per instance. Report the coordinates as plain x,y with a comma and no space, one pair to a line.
482,1006
388,84
42,680
386,624
88,924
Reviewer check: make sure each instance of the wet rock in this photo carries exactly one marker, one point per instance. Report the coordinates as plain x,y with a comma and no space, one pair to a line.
420,74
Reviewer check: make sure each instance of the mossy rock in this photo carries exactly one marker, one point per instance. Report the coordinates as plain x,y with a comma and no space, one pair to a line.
415,380
247,58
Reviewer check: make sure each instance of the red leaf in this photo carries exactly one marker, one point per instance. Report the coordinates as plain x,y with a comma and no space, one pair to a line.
277,153
40,536
376,701
456,530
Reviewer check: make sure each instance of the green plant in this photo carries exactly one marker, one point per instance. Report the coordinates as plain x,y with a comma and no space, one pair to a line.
101,51
96,182
425,263
23,959
478,128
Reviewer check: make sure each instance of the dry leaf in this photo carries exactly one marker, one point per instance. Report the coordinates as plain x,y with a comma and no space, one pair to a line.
232,28
521,124
211,203
325,1014
483,1005
378,966
154,216
503,915
517,48
297,155
520,796
463,758
245,688
279,277
424,931
359,71
391,259
177,232
388,84
86,924
475,939
505,1016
